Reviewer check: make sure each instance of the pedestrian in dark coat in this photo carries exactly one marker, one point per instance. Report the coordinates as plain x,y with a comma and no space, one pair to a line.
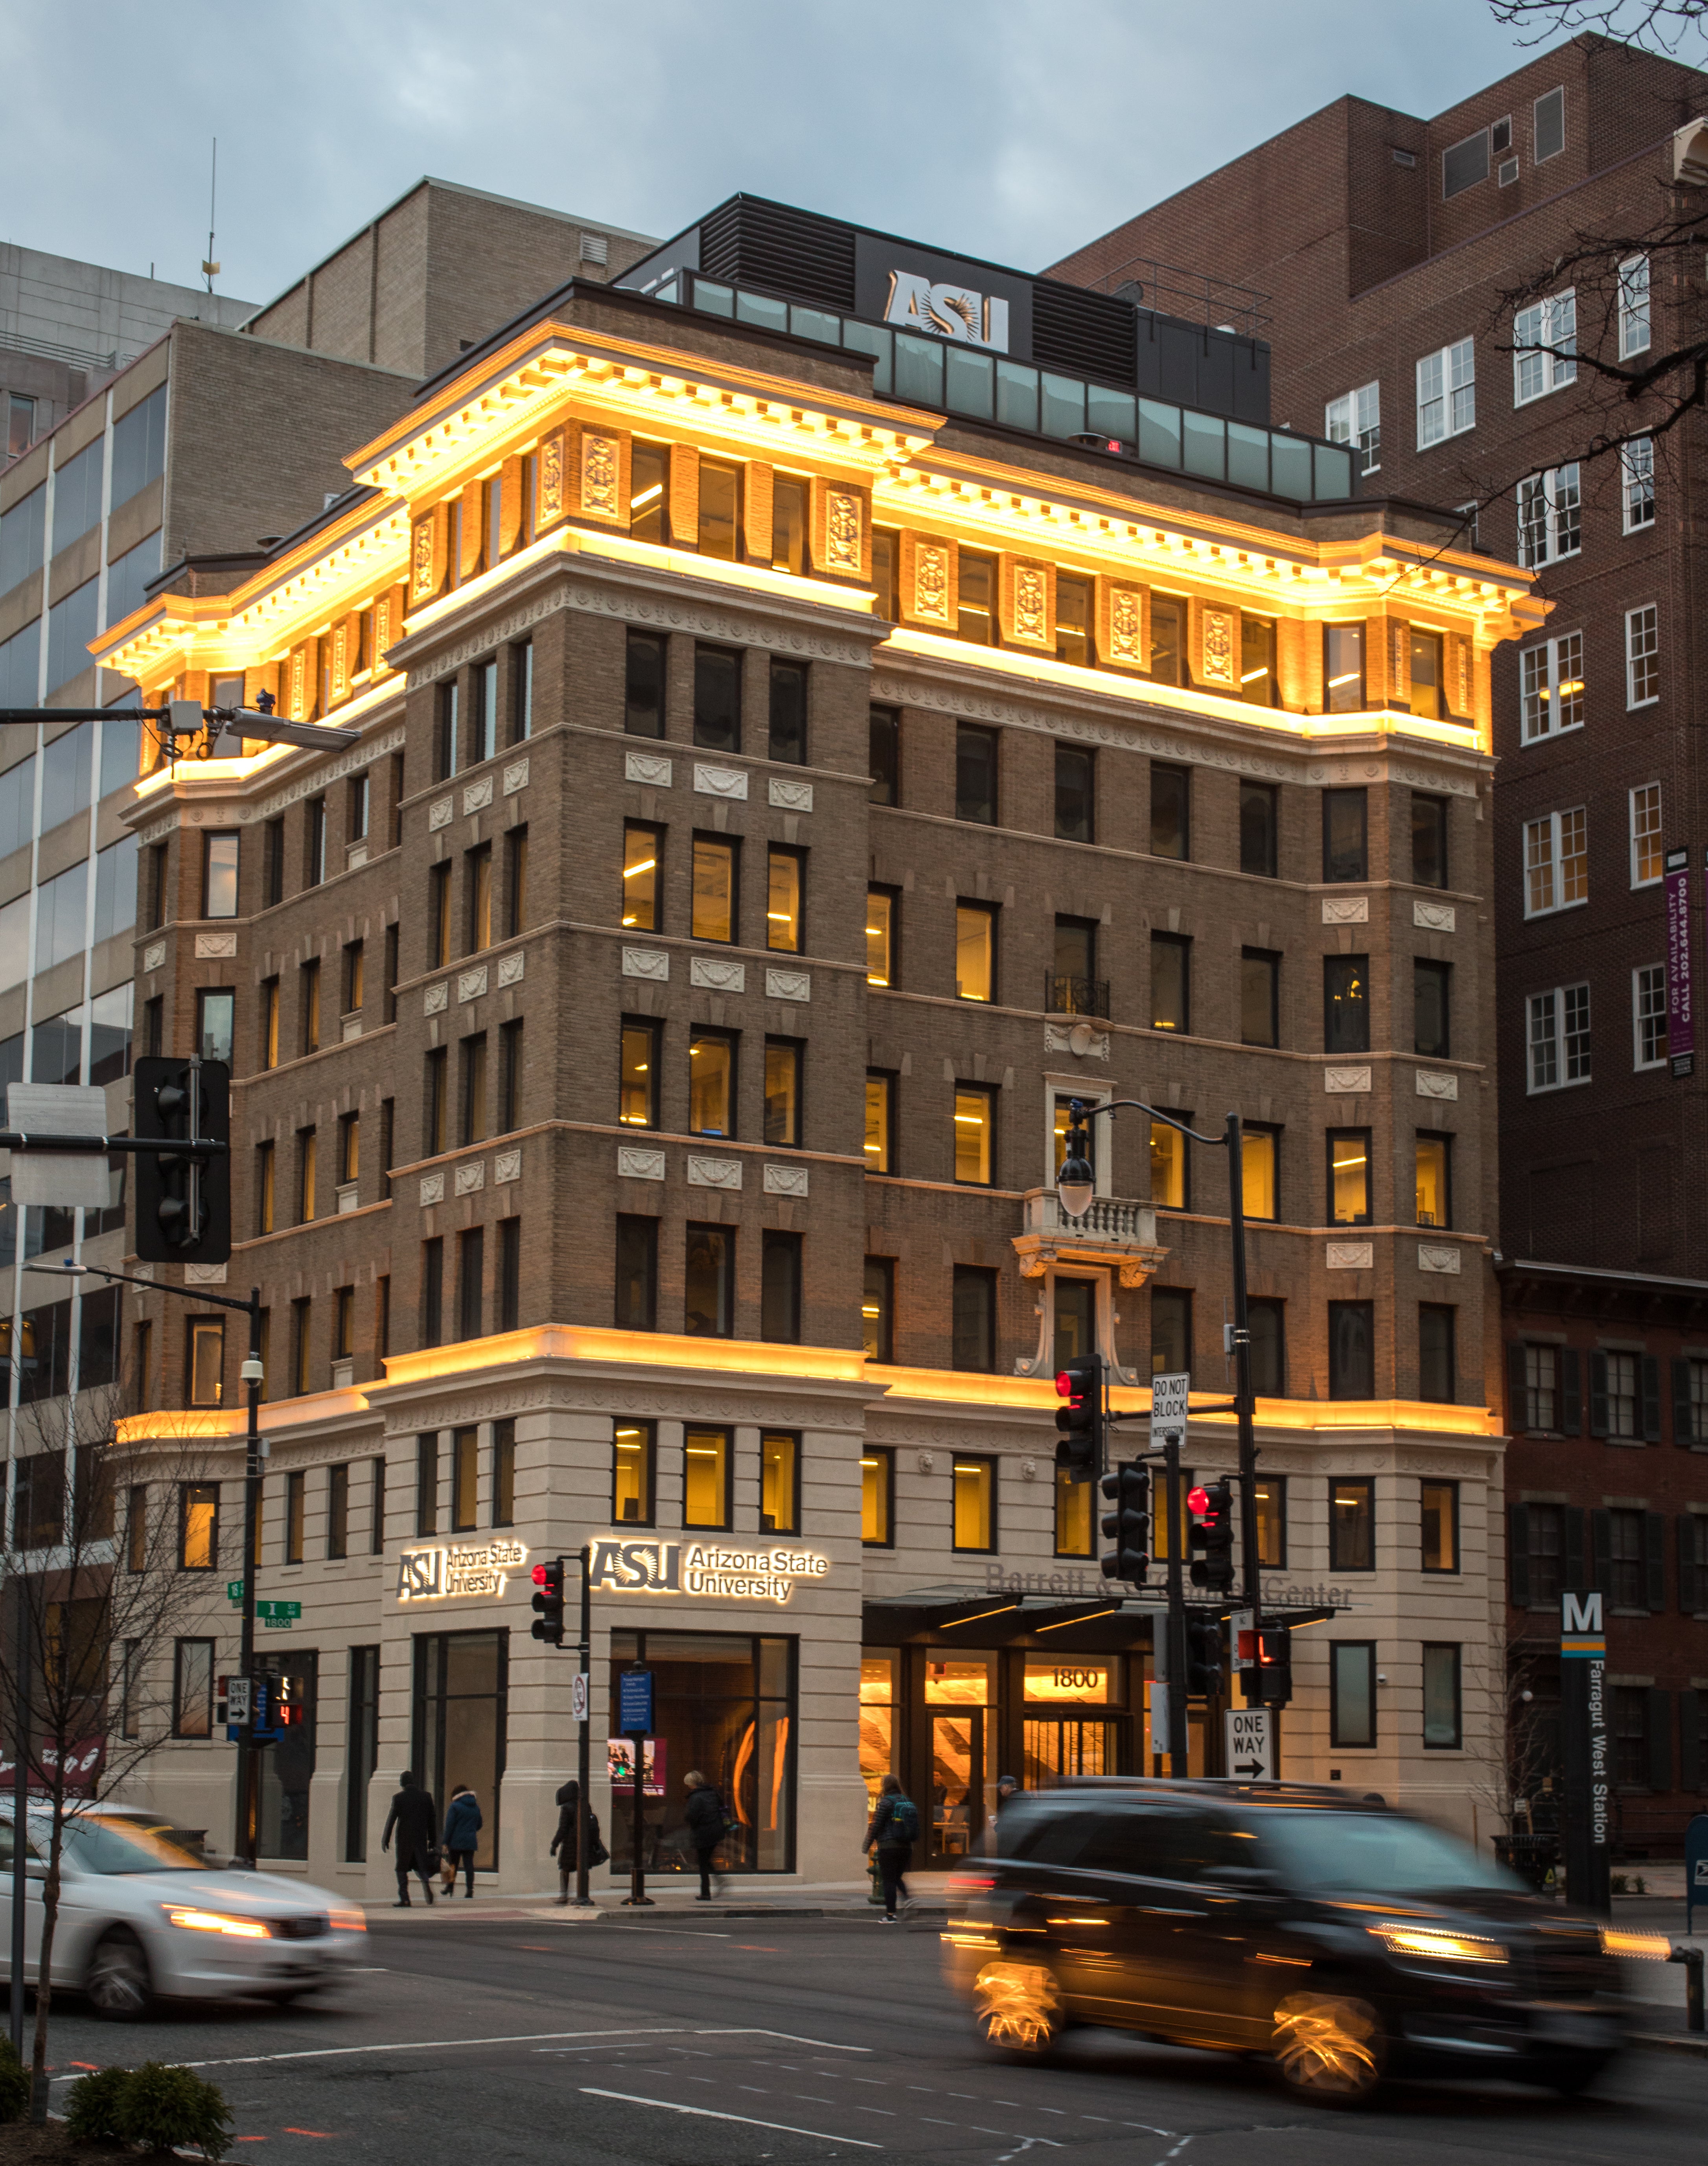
705,1816
416,1820
890,1833
566,1843
462,1825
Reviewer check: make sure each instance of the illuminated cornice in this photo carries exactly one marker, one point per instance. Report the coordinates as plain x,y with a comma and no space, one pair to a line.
719,1360
673,391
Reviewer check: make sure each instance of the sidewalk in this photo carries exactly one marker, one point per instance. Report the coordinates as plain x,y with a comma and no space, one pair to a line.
743,1895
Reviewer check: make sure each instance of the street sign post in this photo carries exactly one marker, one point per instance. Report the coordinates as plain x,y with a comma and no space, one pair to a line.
1168,1404
280,1615
1251,1743
1242,1642
634,1709
1588,1785
578,1698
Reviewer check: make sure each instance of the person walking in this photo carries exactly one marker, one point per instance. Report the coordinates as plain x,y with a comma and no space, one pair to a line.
415,1818
705,1830
892,1832
463,1824
1008,1788
565,1844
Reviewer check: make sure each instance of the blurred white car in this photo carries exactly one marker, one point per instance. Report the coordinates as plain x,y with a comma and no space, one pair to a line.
144,1915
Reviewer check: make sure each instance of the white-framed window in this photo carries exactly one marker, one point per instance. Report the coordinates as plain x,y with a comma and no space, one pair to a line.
1649,1014
1556,861
1471,513
1643,655
1447,393
1633,307
1557,1036
1550,515
1636,483
1646,854
1356,419
1545,347
1551,687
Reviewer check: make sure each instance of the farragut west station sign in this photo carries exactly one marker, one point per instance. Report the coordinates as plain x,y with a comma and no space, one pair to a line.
623,1566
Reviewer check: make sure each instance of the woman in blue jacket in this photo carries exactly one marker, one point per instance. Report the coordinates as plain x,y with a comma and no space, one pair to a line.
462,1831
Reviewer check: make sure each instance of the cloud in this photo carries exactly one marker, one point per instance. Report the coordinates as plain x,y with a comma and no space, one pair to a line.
1012,129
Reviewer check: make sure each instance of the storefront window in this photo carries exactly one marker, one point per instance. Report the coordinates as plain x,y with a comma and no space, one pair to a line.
461,1687
959,1701
1066,1729
877,1720
724,1707
287,1765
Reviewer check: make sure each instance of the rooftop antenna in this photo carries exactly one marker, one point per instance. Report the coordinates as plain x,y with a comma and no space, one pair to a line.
209,268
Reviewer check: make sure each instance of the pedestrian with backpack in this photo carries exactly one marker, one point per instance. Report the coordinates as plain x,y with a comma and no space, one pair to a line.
892,1833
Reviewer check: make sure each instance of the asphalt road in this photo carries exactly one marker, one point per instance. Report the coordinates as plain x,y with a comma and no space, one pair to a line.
679,2043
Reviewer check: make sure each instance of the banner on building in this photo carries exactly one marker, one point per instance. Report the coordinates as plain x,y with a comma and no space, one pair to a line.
1681,1018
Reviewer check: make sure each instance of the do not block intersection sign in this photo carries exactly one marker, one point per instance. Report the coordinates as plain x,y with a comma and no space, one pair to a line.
1251,1741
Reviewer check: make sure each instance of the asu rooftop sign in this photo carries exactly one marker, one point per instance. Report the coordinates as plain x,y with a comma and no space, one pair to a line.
623,1566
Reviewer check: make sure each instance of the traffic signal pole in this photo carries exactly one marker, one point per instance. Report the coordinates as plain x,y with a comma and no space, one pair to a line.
1175,1521
246,1815
1243,1403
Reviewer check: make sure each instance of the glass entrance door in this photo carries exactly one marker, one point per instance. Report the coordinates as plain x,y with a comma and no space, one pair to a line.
462,1681
957,1784
1056,1746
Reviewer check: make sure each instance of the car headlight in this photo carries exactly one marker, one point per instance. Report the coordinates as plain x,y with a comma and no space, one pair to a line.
347,1921
215,1921
1432,1945
1617,1942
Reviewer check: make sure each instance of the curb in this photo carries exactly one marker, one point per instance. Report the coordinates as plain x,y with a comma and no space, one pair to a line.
1664,2042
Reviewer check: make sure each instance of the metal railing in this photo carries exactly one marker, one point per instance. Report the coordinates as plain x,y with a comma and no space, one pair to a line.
1086,997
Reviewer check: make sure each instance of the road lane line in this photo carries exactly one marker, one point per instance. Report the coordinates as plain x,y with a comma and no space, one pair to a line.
706,2113
794,2037
439,2045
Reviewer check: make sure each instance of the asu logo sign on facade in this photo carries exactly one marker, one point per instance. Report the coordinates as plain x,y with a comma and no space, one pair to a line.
947,309
623,1566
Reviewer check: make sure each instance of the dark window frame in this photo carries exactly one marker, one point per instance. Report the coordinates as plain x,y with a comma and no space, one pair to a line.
1177,782
1331,1136
968,1274
1269,858
1345,1010
1341,863
1454,1570
1337,1309
726,658
1085,791
1271,959
786,672
1180,944
884,755
648,1430
724,1325
1426,970
1338,1739
632,1220
776,1242
973,740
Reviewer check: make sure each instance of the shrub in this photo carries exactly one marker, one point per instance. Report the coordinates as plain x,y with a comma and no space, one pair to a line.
14,2083
156,2105
94,2103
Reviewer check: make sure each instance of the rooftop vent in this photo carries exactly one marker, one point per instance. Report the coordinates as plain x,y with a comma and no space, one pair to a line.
595,248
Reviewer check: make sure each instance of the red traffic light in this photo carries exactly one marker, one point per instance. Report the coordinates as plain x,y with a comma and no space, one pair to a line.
1197,1499
541,1574
1065,1386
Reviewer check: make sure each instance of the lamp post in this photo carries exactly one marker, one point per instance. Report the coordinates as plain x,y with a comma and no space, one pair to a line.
252,1375
1076,1186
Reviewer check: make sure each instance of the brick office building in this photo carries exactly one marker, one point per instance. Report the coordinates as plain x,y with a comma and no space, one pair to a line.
816,717
1385,242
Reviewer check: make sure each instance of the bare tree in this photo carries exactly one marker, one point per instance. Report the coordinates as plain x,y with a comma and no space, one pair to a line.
1519,1684
94,1594
1654,26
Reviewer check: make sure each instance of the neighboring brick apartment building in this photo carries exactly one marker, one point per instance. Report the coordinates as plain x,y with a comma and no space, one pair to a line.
802,747
1384,243
178,457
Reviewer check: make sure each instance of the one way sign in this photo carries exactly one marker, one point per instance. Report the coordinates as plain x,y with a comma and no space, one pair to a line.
1250,1736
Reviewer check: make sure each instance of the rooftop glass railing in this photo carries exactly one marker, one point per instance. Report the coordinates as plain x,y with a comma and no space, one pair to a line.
986,387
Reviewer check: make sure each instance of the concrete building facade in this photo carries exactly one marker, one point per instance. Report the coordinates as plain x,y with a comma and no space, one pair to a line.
777,797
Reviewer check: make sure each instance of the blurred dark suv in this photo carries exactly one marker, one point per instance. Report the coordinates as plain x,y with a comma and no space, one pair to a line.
1345,1941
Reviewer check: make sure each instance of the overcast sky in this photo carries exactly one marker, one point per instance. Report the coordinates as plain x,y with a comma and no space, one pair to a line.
1010,129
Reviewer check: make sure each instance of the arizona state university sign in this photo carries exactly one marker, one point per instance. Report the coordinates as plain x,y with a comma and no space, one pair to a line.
623,1566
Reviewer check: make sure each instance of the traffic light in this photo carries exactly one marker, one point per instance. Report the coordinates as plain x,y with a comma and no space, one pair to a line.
1210,1536
183,1205
1128,1525
1274,1672
548,1602
1079,1449
1203,1657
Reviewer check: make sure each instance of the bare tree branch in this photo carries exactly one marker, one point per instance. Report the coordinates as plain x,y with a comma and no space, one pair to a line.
1653,26
93,1597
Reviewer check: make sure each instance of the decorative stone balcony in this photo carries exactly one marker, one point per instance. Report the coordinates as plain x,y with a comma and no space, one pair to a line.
1113,1231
